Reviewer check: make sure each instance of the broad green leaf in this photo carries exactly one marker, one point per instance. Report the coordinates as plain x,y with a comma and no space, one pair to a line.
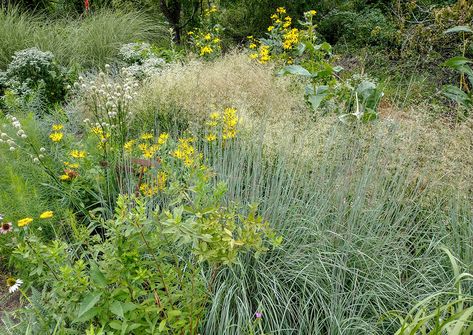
88,315
121,308
97,276
295,69
457,95
115,324
316,99
459,29
457,61
88,303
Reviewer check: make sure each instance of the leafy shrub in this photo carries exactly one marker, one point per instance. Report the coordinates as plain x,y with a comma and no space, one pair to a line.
369,27
32,70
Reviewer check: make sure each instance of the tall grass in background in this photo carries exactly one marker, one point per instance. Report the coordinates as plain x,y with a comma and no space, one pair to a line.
360,239
89,41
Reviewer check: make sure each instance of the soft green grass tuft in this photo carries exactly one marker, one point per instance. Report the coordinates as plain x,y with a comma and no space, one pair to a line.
90,41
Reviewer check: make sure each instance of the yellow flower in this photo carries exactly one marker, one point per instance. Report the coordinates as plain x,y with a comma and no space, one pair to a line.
57,127
253,46
185,151
64,177
147,136
24,222
46,215
250,37
56,137
270,28
71,165
208,37
128,146
230,122
190,33
214,116
291,38
281,10
274,17
205,50
216,40
254,56
97,130
78,154
163,138
211,137
264,54
312,12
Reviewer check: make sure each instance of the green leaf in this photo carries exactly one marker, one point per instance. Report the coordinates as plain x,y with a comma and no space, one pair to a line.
162,325
174,312
88,315
87,304
121,308
456,62
459,29
115,324
295,69
457,95
97,276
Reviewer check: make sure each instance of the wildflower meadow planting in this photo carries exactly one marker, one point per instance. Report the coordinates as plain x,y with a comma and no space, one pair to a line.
236,167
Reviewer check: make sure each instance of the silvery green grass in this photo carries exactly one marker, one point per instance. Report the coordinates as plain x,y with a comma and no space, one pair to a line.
138,197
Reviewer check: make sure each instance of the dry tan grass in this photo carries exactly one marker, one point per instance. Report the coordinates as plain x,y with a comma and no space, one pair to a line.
275,106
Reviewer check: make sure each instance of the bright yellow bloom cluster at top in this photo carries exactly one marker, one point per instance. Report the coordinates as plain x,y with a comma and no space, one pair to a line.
78,154
228,123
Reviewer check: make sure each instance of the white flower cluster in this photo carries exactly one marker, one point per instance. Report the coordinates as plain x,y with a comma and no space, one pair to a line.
109,99
142,60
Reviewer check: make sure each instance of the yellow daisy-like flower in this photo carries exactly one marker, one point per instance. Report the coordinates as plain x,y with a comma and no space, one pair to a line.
312,12
71,165
270,28
128,146
24,222
163,138
216,40
207,37
205,50
64,177
78,154
254,56
46,215
253,46
147,136
56,137
281,10
211,137
57,127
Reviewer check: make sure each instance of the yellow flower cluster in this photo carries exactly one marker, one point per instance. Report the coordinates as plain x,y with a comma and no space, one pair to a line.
228,123
56,134
206,40
264,54
185,151
159,185
78,154
26,221
291,38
